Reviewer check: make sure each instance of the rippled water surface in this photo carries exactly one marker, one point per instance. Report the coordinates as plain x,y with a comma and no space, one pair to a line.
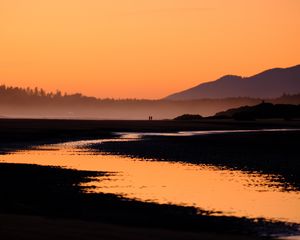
228,192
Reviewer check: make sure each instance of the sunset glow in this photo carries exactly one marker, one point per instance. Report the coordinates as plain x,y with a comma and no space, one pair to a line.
142,48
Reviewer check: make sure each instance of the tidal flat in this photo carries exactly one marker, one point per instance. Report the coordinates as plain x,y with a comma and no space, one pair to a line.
60,196
268,152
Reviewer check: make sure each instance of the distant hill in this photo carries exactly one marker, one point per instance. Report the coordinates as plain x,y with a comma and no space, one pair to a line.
269,84
188,117
262,111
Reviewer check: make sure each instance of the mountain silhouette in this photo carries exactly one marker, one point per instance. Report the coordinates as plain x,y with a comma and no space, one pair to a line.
268,84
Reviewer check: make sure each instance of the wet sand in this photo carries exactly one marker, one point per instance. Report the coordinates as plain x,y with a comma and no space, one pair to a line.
264,152
22,133
57,193
20,227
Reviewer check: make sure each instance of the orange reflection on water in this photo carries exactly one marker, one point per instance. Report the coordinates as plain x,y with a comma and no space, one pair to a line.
232,192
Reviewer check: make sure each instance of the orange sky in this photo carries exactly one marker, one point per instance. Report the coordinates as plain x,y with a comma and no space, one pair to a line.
142,48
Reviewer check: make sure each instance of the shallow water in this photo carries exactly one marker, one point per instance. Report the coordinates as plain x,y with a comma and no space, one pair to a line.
227,192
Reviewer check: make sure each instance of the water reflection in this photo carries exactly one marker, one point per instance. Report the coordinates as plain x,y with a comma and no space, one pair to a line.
230,192
136,135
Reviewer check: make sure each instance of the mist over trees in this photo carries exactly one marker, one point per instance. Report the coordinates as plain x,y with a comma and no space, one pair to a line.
37,103
15,94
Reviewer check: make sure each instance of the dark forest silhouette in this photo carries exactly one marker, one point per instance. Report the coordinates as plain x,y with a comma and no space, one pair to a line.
37,103
263,111
189,117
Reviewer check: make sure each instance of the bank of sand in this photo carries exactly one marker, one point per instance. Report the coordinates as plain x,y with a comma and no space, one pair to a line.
20,227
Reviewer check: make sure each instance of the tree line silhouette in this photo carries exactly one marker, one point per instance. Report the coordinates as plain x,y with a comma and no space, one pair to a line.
36,102
17,93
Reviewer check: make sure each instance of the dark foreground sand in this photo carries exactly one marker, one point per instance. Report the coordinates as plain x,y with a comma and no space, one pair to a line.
19,227
56,193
